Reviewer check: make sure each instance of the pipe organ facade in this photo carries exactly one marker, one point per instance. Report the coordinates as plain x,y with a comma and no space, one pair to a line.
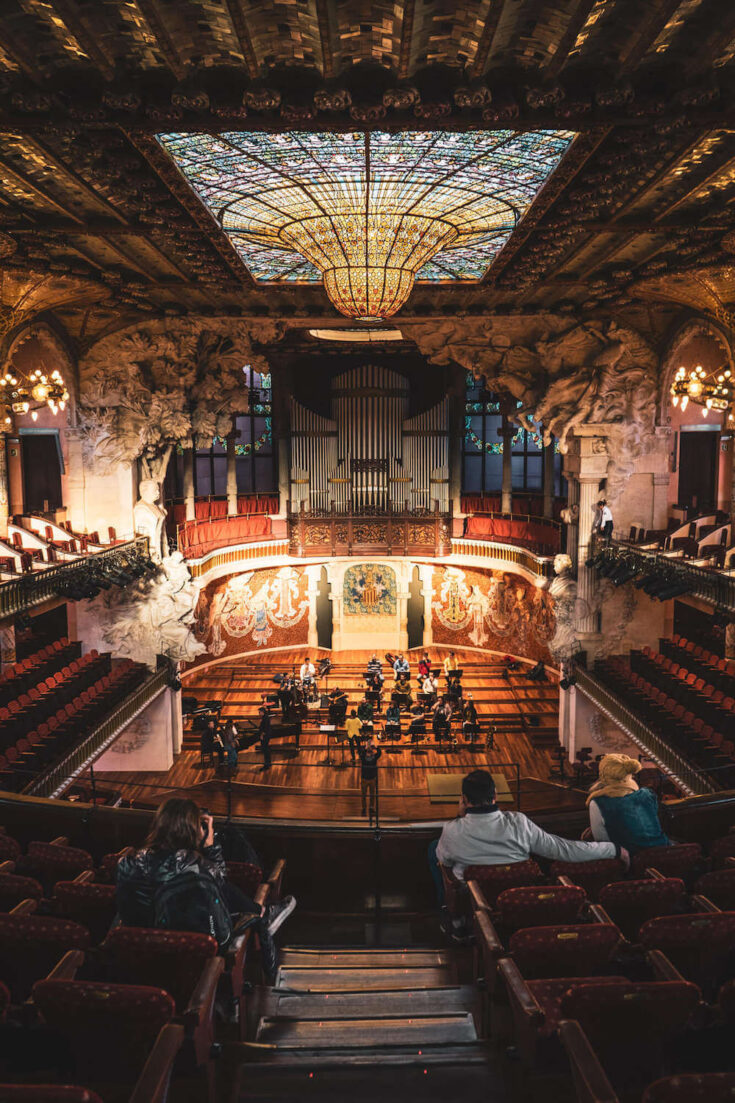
370,454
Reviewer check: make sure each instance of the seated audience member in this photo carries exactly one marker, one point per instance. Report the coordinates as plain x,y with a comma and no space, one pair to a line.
424,667
538,673
353,727
469,719
365,713
337,706
393,720
621,812
482,835
181,845
400,666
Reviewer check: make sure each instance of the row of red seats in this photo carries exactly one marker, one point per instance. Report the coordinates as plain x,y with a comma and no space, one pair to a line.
699,657
47,696
109,992
620,977
713,705
28,672
42,745
687,733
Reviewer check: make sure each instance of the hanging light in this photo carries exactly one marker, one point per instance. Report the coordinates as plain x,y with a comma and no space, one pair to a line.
708,390
21,394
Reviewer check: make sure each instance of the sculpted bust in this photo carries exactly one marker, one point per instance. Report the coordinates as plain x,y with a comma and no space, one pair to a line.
148,516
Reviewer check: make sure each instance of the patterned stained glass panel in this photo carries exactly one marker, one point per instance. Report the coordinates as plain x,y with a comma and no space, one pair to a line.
296,205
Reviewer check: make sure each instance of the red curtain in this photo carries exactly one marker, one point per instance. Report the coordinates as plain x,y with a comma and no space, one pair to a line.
204,508
530,533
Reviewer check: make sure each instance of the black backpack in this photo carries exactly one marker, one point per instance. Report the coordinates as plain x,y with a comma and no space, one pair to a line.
192,902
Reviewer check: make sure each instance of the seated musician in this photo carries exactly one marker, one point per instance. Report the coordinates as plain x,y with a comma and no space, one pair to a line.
424,667
393,720
325,665
286,696
401,696
469,719
440,722
365,714
400,666
454,690
337,706
417,726
429,688
374,669
451,666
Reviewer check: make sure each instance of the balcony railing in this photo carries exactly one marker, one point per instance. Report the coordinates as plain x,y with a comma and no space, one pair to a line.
369,531
716,587
37,586
53,781
690,780
499,553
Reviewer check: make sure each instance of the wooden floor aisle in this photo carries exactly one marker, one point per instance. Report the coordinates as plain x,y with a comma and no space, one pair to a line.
319,782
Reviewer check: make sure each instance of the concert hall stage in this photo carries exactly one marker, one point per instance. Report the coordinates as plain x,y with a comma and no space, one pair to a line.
317,782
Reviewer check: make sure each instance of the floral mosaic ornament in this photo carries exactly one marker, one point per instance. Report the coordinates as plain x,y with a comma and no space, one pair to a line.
369,589
500,603
246,606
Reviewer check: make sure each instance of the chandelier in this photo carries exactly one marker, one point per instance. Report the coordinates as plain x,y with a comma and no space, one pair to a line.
709,390
27,394
367,213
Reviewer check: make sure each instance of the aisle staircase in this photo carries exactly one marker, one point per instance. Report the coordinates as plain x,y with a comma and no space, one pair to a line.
334,1013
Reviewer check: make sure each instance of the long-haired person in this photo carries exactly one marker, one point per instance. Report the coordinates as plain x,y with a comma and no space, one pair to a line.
178,879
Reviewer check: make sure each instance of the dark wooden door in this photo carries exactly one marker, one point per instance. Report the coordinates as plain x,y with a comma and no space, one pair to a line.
698,470
41,472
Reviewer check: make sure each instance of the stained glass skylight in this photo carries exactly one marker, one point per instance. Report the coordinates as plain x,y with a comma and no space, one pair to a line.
368,212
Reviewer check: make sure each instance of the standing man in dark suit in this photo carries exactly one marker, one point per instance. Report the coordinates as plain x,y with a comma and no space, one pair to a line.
264,731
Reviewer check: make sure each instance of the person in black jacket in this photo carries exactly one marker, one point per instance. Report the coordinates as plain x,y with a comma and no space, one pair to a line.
181,843
369,756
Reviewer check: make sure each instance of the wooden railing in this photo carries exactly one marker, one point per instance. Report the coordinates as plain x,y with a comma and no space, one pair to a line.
54,780
37,586
690,780
538,565
363,532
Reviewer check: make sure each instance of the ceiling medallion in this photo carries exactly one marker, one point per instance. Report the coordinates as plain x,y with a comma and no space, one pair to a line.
368,213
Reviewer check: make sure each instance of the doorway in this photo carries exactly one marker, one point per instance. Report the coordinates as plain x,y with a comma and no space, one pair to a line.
698,469
415,611
41,472
323,611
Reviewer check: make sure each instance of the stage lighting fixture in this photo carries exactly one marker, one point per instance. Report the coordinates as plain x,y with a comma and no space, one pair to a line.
568,682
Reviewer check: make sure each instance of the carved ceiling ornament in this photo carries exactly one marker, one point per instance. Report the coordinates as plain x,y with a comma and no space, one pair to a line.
572,375
163,383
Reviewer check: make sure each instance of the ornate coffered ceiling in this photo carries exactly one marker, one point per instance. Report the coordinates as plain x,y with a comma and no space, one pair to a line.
634,218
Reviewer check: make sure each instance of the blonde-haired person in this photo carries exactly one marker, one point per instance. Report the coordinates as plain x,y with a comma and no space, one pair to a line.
620,811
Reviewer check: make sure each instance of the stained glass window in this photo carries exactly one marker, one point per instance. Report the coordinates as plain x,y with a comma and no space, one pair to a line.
368,210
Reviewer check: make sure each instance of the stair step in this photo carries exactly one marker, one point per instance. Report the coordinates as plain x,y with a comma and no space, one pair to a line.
359,980
350,1056
348,1005
363,959
365,1033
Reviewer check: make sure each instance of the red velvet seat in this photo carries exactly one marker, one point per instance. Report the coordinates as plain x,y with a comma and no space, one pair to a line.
30,947
496,878
719,887
591,876
681,860
549,995
569,950
694,1087
46,1093
544,906
93,906
246,876
50,862
701,946
10,849
720,850
630,903
13,889
111,1029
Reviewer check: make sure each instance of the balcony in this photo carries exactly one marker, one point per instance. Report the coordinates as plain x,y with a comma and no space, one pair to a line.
664,574
369,531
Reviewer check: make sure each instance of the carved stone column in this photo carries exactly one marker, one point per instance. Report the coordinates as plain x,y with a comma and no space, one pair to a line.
189,500
549,480
507,432
3,488
585,467
232,473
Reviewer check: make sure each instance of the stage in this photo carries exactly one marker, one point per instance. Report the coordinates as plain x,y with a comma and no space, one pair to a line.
317,783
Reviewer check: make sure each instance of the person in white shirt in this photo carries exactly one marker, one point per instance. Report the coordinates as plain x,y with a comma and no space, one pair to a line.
430,686
482,835
308,670
606,521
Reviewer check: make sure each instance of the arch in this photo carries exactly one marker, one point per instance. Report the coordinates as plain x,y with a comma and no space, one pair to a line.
47,331
699,326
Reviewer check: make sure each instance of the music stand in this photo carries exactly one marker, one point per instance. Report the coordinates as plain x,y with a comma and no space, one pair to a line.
328,729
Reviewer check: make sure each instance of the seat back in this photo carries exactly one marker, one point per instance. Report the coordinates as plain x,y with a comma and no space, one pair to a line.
570,950
544,906
630,903
50,863
680,860
720,850
719,887
692,1087
31,945
630,1026
110,1028
47,1093
246,876
591,876
172,960
701,946
13,889
94,906
495,879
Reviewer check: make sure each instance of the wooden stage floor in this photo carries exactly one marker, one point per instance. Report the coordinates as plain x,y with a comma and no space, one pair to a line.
314,785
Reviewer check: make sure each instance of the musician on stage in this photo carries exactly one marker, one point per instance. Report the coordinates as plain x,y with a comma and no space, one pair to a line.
374,669
401,696
430,688
337,706
365,714
400,666
417,726
469,720
286,696
440,722
353,727
392,720
451,666
308,675
424,667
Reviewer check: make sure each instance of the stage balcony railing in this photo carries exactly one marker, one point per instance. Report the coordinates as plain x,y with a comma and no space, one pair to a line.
369,529
17,595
